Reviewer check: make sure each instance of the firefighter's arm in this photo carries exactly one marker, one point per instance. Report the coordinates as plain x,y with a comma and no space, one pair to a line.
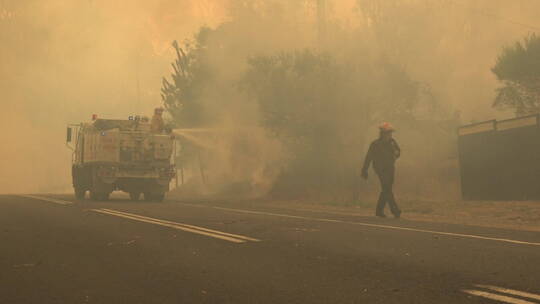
397,149
367,162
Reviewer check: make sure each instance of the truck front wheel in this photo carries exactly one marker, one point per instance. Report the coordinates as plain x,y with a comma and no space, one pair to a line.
80,193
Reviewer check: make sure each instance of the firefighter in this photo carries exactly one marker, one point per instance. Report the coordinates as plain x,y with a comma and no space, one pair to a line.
383,152
157,125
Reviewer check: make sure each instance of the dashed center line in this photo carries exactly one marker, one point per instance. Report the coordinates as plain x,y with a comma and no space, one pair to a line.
504,295
48,199
234,238
511,291
496,297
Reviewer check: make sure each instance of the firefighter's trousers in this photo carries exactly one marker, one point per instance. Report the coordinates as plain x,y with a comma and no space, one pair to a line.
386,177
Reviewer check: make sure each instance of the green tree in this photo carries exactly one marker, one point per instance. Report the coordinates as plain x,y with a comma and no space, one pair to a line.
518,68
320,108
191,76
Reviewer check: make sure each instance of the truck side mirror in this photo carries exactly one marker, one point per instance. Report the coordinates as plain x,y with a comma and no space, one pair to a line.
68,135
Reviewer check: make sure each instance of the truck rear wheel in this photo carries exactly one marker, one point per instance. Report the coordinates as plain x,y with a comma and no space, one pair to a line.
104,196
154,197
134,196
93,195
99,196
159,197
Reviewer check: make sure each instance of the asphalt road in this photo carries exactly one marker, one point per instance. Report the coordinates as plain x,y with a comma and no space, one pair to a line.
55,249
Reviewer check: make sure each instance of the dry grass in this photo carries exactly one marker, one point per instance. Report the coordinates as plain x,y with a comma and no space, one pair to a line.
518,215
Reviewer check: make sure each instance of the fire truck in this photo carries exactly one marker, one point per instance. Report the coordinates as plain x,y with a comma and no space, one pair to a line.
125,155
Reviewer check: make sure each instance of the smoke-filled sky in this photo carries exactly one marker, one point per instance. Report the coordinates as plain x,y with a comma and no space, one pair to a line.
62,61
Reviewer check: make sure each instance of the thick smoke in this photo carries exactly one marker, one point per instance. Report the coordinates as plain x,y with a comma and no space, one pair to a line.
63,61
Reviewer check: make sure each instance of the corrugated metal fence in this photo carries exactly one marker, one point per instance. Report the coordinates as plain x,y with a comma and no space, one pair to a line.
500,160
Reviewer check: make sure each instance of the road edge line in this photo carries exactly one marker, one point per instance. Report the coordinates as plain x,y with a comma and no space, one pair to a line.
471,236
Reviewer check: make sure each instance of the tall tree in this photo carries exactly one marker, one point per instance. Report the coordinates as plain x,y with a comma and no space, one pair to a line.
191,75
319,107
518,68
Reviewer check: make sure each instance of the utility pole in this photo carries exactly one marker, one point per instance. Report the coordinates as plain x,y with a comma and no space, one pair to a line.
321,21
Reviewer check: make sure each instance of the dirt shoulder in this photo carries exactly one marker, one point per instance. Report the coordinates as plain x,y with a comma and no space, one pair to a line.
517,215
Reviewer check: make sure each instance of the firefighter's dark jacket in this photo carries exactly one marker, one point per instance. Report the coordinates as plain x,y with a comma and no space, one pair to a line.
383,154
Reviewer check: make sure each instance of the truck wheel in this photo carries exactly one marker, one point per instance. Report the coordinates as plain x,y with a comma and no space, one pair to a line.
99,196
104,196
154,197
159,197
134,196
80,193
148,196
93,195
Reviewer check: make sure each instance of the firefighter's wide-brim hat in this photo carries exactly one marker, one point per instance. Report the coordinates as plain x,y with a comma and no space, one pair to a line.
386,127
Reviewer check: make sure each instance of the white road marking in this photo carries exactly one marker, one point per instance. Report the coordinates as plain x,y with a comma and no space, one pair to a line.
497,297
235,238
471,236
189,226
511,291
48,199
